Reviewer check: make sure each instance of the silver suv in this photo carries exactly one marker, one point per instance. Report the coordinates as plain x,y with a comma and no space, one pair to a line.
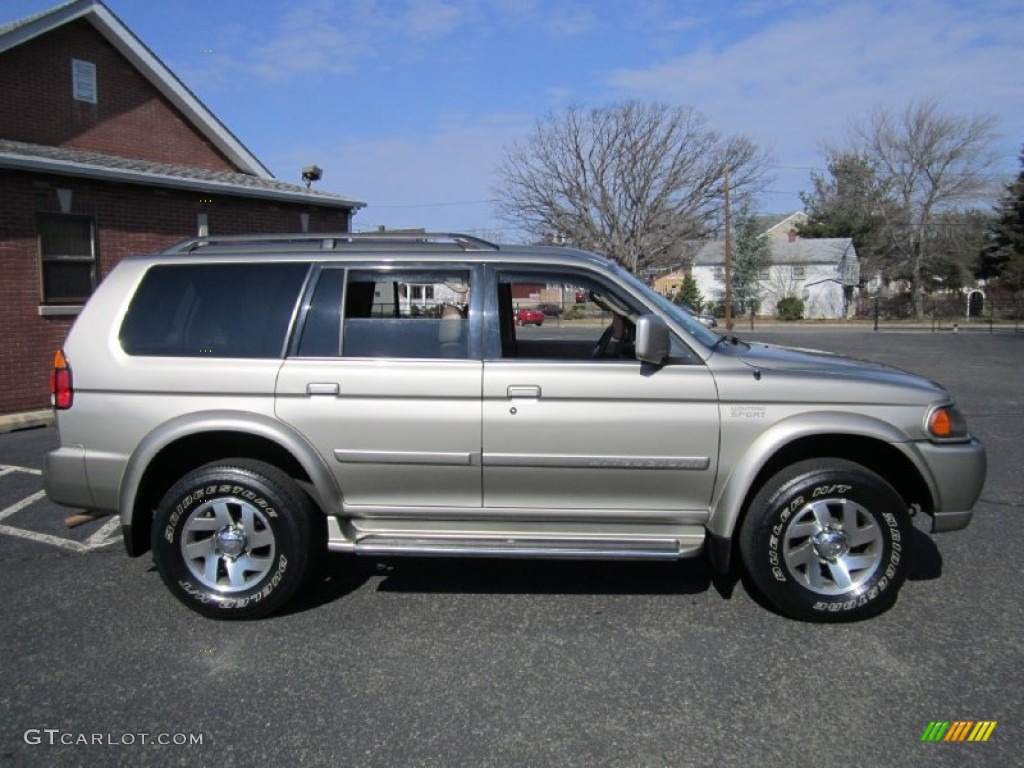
246,404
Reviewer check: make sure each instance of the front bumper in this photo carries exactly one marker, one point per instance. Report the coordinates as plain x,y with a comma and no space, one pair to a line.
958,474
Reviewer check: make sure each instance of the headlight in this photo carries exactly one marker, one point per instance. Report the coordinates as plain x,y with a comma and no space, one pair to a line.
945,423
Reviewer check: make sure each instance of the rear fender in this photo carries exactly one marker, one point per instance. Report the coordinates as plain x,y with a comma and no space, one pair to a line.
324,488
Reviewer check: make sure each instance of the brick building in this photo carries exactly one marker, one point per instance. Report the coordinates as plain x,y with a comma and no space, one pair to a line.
104,153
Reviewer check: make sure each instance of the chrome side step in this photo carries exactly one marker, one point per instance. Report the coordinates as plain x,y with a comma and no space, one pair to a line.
523,541
557,549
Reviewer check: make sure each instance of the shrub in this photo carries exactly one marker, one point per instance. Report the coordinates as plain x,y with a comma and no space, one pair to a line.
790,308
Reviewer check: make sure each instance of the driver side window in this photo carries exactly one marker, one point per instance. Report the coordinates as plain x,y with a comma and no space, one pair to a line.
557,316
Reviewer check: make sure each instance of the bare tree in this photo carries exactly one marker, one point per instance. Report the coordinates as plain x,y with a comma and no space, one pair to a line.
783,284
630,180
927,163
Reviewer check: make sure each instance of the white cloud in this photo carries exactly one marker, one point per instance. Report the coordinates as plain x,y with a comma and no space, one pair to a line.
799,81
336,36
569,22
440,180
431,18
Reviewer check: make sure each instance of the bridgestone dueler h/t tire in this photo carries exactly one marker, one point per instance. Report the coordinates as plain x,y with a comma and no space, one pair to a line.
827,540
234,539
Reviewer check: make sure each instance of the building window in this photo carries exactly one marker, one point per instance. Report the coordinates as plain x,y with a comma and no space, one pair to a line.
67,251
764,274
421,293
83,80
719,273
799,272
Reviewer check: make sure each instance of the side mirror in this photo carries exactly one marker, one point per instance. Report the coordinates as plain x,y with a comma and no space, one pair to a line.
652,339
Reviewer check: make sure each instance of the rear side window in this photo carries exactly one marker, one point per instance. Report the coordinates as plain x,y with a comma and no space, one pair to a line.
388,313
213,310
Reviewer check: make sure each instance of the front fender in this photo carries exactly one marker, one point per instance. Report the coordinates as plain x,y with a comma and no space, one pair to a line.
727,504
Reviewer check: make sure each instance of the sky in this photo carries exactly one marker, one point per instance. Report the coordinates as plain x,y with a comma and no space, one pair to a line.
408,105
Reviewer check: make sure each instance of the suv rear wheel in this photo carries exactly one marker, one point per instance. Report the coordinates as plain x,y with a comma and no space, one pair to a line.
827,540
234,539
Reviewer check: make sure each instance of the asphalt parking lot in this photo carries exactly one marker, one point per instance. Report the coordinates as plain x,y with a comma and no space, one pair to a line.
484,663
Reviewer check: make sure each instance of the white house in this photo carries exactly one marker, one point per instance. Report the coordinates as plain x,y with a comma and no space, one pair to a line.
823,272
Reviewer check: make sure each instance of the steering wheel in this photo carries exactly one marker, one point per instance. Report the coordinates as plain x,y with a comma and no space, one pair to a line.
602,343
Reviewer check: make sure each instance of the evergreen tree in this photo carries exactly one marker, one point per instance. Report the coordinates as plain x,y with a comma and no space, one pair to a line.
1003,257
750,254
689,293
848,202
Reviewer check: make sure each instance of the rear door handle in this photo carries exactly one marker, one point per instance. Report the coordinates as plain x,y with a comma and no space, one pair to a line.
319,388
524,392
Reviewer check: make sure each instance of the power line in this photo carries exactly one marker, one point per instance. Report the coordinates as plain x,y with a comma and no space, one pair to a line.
437,205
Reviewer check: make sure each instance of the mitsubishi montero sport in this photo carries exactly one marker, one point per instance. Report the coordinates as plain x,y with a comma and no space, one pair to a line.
246,404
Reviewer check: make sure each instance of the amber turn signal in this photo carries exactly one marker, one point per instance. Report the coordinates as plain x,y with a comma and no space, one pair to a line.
945,422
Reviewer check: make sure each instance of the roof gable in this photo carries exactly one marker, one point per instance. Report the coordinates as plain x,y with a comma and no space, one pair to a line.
781,228
146,63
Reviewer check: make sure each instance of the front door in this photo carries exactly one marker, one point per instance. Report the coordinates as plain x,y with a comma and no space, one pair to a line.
573,425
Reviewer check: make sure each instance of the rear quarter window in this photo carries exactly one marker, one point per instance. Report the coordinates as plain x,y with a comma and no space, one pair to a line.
213,310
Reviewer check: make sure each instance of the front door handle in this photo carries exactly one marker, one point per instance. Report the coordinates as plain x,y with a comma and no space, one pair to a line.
318,388
524,392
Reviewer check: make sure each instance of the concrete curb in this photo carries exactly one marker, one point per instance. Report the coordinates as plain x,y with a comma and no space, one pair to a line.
11,422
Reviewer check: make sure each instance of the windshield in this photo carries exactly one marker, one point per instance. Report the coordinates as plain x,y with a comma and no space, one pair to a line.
678,314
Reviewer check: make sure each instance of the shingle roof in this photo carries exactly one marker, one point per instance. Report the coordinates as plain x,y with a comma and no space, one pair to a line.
826,250
76,162
766,221
13,25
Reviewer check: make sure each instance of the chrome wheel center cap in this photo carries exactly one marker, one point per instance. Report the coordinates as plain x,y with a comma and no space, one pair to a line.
830,544
231,541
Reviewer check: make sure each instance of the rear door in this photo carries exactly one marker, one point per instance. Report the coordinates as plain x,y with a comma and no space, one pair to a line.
385,381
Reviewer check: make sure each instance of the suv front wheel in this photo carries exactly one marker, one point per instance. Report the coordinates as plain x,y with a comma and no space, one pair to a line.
234,539
827,540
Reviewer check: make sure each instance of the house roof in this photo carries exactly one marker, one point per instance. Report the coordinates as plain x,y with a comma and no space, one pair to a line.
146,62
780,225
768,221
19,155
825,250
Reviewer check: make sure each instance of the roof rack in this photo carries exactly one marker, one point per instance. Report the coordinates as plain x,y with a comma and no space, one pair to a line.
328,241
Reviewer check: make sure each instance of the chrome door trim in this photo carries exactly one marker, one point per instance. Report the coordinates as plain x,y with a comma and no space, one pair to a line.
458,459
548,460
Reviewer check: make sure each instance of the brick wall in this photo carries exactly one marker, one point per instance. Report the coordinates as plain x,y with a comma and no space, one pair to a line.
129,219
130,118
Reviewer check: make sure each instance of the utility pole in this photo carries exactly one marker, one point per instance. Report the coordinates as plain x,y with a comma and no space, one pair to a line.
728,260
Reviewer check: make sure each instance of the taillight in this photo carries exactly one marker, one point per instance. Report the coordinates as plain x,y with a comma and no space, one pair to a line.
61,391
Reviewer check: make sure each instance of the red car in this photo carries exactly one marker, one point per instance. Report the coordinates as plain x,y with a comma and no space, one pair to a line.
529,316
